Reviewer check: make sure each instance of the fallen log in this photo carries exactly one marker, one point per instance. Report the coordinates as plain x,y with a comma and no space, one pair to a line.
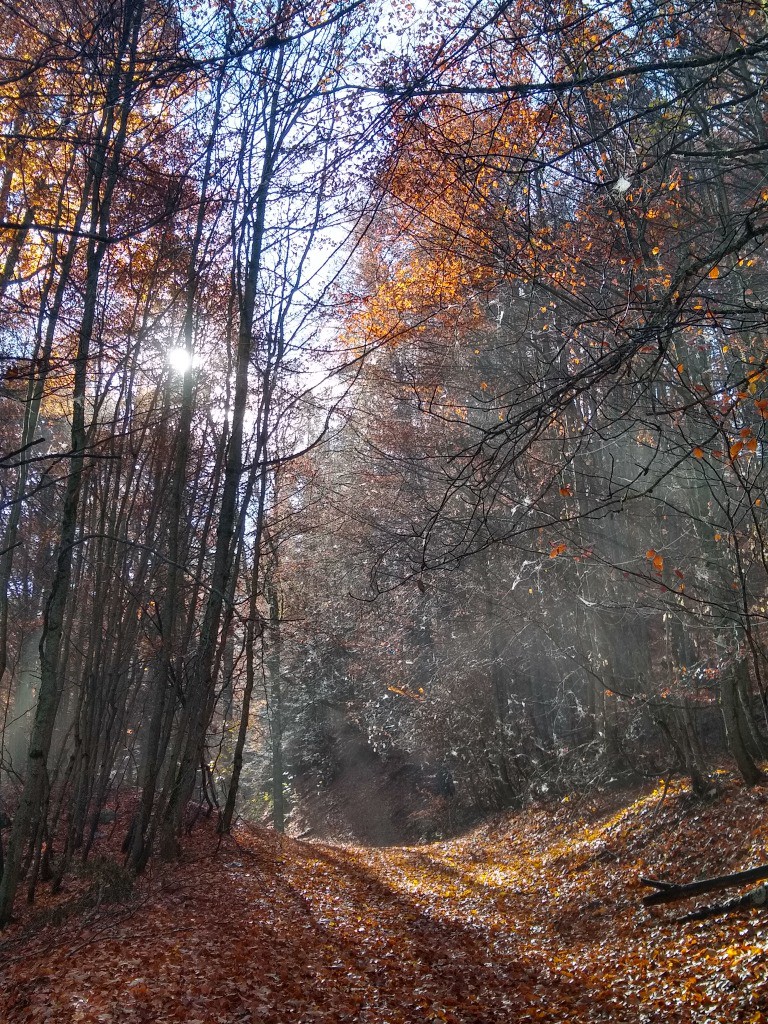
754,898
669,892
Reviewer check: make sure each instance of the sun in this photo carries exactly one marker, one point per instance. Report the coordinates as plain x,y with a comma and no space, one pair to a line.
180,360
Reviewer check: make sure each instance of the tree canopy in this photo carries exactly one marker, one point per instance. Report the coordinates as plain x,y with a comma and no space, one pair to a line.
384,398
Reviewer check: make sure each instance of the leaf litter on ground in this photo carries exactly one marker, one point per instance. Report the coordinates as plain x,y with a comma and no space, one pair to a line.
535,915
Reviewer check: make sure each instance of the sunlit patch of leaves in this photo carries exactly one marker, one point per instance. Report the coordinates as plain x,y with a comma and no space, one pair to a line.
533,916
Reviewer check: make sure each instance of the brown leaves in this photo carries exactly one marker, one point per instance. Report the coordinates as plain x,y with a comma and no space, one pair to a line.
531,916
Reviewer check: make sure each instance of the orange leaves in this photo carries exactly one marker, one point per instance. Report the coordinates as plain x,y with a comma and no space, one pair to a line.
401,691
656,560
698,453
565,491
409,933
714,273
558,549
753,378
747,443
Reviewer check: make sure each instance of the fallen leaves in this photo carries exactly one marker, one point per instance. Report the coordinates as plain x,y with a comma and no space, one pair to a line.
533,916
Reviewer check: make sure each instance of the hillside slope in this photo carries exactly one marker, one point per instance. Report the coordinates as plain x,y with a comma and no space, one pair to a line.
533,916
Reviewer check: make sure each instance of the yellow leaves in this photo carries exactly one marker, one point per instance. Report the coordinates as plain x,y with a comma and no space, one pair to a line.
403,692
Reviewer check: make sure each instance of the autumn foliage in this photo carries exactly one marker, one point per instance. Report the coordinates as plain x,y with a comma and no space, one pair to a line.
534,915
383,396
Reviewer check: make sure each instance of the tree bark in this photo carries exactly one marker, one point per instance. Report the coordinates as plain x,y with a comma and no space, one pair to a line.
670,892
737,746
105,166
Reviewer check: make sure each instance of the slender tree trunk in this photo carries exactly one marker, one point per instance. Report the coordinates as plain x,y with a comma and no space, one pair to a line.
253,632
734,727
202,681
274,669
105,175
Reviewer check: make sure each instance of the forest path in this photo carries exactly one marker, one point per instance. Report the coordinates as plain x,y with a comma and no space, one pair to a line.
533,916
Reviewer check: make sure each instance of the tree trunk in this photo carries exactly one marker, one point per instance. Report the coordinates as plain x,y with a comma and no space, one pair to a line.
732,720
276,707
105,168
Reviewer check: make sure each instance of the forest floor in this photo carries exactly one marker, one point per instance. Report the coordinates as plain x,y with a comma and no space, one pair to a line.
535,915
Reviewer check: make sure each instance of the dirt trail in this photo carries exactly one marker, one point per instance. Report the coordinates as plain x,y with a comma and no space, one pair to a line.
532,917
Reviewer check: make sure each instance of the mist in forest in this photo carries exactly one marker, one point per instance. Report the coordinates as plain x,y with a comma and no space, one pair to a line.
383,426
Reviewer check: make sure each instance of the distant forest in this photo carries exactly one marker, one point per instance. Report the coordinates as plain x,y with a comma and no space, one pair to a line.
383,406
